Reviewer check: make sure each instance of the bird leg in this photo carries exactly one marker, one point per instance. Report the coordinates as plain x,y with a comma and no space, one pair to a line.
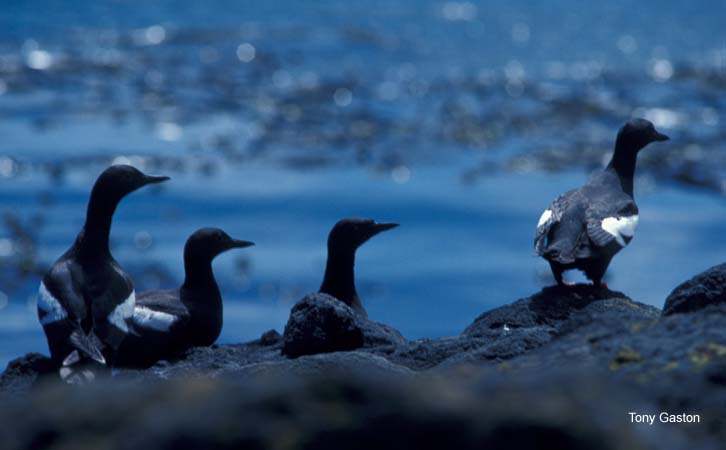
596,272
557,273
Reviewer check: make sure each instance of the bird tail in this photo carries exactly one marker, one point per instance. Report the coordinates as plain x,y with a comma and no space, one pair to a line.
87,344
552,253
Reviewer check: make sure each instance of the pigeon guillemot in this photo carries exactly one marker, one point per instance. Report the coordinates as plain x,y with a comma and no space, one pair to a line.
344,239
168,322
584,228
86,300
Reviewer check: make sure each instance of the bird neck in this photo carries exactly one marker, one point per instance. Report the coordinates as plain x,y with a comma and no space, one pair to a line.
623,164
93,238
198,276
200,295
339,280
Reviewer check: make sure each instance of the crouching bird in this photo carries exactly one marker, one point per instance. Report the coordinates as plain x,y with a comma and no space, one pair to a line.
86,301
585,227
169,322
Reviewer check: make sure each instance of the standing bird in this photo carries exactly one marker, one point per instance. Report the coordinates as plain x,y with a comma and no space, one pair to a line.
584,228
171,321
86,300
344,239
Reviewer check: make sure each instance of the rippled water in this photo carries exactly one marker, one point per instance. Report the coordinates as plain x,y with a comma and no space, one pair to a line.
459,120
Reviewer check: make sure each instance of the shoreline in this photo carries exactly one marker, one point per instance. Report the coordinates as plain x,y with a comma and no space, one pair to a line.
595,350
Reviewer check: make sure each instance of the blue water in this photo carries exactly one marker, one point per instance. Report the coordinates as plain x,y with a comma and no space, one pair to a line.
459,120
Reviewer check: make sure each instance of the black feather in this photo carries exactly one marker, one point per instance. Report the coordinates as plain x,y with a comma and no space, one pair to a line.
89,344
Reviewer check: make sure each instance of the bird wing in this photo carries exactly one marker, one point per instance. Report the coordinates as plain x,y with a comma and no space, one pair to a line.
60,295
61,300
112,300
551,217
612,221
159,310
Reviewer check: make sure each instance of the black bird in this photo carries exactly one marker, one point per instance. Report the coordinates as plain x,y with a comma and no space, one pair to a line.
171,321
344,239
584,228
86,300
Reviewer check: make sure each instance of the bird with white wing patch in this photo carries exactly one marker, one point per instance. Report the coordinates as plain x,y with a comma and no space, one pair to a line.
585,227
167,322
85,300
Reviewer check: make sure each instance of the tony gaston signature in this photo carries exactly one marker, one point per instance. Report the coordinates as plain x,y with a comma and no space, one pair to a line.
664,417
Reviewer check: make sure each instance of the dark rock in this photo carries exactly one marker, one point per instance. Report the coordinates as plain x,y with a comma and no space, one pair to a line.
700,291
716,374
22,373
513,330
565,366
270,337
351,363
212,361
675,361
551,307
320,323
336,410
424,354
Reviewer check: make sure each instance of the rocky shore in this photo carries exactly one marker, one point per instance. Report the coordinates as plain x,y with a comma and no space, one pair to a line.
563,368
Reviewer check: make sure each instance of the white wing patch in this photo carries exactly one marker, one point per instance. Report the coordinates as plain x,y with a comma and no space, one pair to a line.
155,320
50,305
544,217
123,312
620,227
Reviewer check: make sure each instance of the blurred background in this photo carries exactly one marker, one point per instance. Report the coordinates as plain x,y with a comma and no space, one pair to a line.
460,120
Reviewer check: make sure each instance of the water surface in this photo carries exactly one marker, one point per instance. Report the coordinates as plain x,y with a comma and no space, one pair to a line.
459,120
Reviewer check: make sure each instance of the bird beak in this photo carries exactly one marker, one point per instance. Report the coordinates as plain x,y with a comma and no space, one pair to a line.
660,137
153,180
236,243
380,227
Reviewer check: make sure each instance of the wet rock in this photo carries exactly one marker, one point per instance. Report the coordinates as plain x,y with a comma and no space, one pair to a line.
565,365
350,363
22,373
675,360
337,410
270,337
554,306
424,354
705,289
716,374
212,361
320,323
529,323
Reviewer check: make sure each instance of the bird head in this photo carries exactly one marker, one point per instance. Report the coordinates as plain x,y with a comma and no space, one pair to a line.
206,243
120,180
349,234
636,134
